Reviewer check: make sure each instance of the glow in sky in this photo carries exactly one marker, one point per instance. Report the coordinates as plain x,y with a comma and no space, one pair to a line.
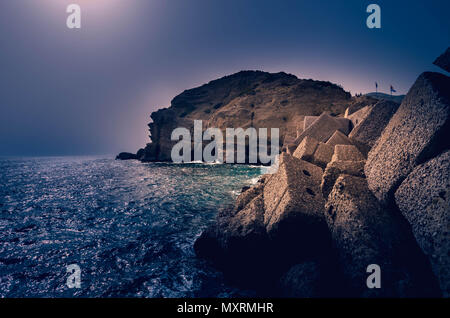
92,90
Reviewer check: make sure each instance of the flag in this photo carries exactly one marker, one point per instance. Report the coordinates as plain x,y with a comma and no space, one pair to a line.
392,89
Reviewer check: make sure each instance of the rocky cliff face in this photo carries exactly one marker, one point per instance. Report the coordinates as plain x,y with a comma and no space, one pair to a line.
245,99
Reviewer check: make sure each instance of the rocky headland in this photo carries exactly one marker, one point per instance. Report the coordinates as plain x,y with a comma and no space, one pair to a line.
360,181
245,99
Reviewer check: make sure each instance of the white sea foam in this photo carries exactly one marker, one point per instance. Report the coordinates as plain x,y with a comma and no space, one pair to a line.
254,180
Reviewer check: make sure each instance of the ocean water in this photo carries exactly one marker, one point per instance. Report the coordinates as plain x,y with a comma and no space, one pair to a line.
130,226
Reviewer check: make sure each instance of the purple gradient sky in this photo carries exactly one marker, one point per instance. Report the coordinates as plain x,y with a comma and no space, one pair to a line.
90,91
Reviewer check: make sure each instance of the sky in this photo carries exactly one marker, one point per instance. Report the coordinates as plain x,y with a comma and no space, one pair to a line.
91,90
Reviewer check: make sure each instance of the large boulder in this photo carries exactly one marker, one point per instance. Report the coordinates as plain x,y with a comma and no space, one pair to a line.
443,61
370,128
366,233
417,132
293,207
424,200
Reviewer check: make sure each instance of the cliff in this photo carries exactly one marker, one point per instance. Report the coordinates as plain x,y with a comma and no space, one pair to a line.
245,99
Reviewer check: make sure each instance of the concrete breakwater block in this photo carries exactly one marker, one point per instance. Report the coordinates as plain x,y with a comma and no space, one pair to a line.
322,155
366,233
443,61
288,140
293,205
308,121
290,149
324,127
359,103
357,117
305,151
315,152
344,123
362,147
239,236
299,128
347,153
336,168
418,131
424,200
338,138
247,196
370,128
245,231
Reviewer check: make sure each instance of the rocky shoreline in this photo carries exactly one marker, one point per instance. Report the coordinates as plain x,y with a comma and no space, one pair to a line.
361,182
371,187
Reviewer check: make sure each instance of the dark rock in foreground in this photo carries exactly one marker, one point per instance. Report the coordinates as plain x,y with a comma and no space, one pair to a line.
271,229
237,244
366,233
293,206
424,200
418,131
443,61
302,281
126,156
314,233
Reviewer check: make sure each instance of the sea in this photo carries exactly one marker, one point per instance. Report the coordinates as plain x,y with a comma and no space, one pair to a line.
128,227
